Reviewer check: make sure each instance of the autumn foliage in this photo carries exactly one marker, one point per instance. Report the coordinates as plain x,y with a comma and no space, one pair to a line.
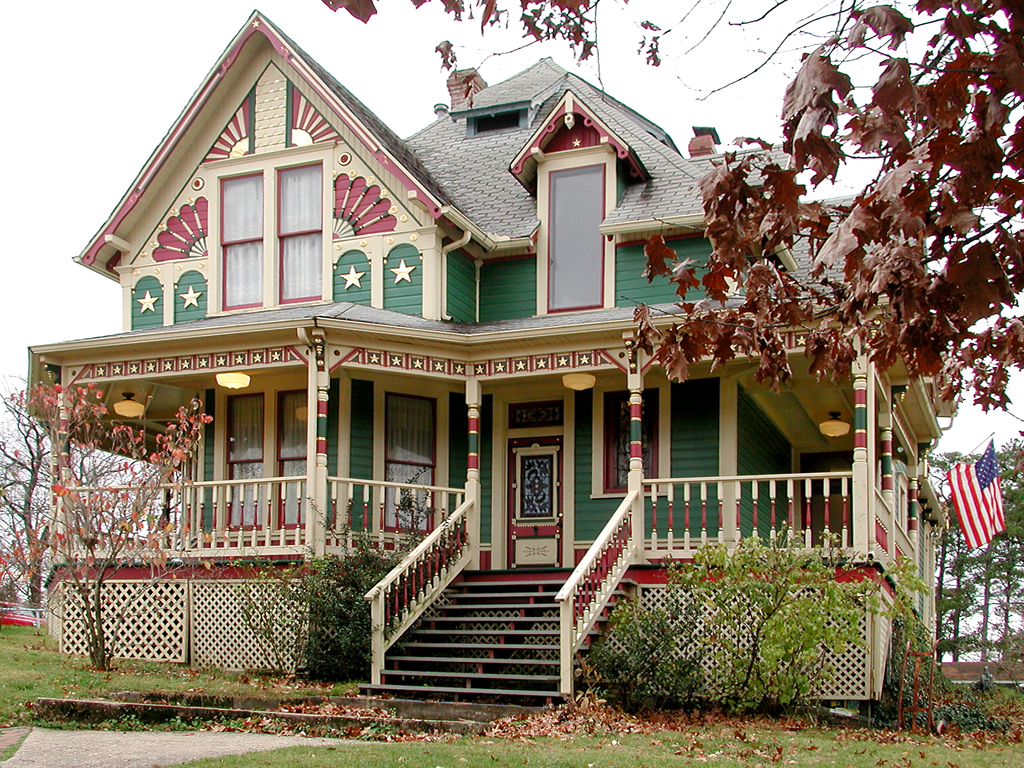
922,266
95,529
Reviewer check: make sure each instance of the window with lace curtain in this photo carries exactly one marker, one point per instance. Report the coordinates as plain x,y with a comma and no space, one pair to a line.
409,457
296,195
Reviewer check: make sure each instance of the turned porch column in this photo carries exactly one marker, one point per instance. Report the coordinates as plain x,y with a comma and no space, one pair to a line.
318,391
634,481
863,496
473,493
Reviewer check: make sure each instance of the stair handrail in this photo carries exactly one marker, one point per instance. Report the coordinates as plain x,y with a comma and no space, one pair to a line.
590,586
400,598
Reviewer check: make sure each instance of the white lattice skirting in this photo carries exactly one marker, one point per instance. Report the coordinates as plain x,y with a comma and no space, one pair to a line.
183,621
853,670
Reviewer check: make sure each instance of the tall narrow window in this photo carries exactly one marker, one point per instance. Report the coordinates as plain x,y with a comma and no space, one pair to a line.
575,246
300,201
292,413
409,458
245,454
616,438
242,241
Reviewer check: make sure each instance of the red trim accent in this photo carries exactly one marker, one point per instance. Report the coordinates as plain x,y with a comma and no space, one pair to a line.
881,535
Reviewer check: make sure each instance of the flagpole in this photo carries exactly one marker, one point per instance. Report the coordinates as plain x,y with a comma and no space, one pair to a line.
975,448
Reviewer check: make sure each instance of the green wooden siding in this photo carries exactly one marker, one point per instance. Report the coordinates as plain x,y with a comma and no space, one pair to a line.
631,287
405,296
190,283
695,429
508,289
360,442
357,294
591,514
209,459
333,435
458,439
461,287
761,450
150,318
486,465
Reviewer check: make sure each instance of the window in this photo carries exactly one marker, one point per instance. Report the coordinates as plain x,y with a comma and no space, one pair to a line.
297,195
245,454
241,237
408,458
575,246
300,201
292,414
616,438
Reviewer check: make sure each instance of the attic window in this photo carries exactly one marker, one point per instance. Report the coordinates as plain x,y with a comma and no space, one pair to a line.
502,121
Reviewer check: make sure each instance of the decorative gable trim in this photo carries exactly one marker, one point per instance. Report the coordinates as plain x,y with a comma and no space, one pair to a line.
99,248
360,208
564,117
238,136
184,233
304,117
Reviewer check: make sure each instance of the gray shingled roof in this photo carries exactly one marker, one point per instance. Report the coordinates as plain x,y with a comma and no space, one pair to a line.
475,169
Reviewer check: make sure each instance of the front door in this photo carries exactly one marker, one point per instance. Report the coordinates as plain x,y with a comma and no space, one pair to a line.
535,502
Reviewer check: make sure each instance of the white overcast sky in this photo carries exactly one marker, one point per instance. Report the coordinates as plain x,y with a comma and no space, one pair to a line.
96,86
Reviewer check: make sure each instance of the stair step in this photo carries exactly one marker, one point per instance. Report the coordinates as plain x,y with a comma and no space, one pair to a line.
486,632
492,619
503,646
460,691
547,605
476,660
467,676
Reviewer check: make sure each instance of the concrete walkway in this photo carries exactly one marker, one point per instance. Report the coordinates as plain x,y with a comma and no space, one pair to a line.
46,748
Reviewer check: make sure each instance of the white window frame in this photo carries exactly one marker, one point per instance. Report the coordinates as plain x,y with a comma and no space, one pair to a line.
269,165
561,161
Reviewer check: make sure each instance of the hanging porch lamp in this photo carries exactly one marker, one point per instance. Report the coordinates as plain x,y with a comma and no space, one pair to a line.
129,407
834,426
579,381
233,380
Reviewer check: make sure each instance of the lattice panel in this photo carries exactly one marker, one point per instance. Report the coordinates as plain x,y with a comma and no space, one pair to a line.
142,620
220,636
852,669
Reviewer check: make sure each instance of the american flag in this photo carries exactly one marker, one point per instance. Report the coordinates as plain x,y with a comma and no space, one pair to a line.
977,498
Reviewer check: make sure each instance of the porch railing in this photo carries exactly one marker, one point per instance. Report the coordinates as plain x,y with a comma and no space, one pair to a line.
260,513
685,513
401,597
385,509
590,586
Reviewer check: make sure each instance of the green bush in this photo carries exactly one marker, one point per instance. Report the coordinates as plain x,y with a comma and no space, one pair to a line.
750,628
647,659
340,628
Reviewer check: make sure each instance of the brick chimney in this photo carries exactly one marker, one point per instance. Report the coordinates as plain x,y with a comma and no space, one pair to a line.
463,85
704,141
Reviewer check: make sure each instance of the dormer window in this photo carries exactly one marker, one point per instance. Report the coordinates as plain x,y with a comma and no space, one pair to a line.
575,246
496,123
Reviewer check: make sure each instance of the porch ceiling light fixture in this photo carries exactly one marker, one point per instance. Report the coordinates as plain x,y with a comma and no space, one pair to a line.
579,381
129,408
233,380
834,426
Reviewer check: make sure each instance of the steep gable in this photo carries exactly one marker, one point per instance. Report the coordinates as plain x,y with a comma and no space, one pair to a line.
289,102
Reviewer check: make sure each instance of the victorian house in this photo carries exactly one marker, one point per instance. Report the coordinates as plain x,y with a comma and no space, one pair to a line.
435,333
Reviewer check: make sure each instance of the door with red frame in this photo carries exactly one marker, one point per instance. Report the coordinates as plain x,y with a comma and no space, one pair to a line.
535,502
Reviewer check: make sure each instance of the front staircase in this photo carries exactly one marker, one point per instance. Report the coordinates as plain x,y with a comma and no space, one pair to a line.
492,635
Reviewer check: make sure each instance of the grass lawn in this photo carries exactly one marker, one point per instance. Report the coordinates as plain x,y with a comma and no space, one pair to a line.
765,746
31,667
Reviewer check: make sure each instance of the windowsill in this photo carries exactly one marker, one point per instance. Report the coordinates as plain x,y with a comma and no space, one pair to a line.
267,308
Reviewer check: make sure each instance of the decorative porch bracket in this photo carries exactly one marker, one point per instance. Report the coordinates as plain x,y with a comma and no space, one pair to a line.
400,598
586,593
